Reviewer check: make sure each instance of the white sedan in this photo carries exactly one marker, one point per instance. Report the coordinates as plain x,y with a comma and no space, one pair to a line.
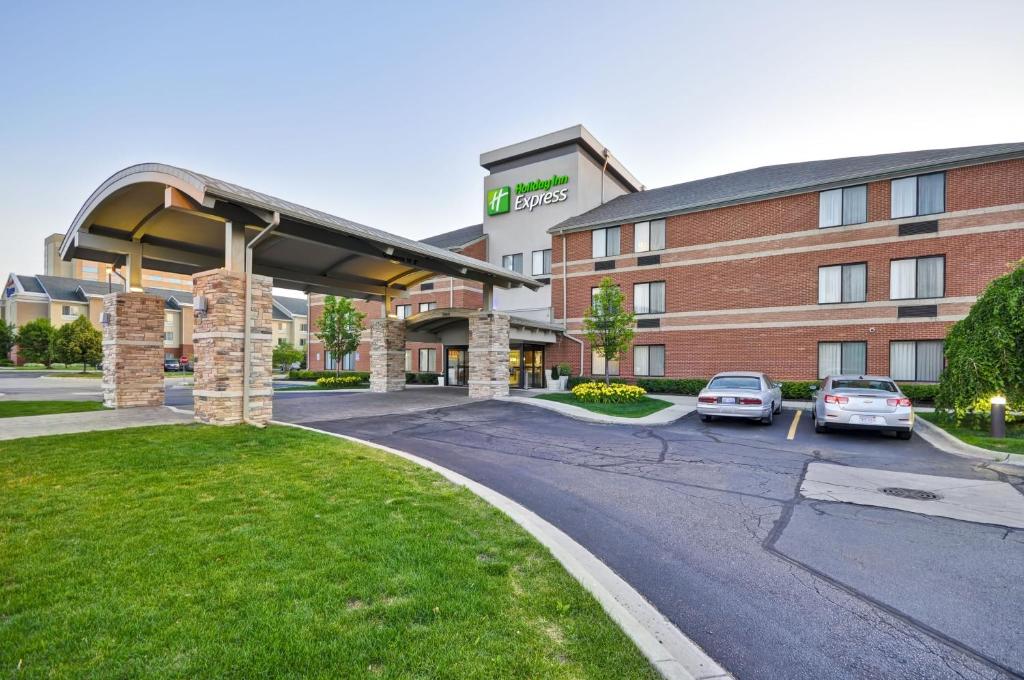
740,394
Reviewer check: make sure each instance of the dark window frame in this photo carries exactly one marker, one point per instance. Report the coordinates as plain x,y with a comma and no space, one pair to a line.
945,276
867,268
664,351
842,206
916,342
648,284
843,344
917,194
513,267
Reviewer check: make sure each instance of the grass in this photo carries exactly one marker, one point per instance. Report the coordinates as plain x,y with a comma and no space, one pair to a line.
14,409
638,410
194,551
975,431
314,386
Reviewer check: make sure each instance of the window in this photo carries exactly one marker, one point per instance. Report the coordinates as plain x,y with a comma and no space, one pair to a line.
836,358
428,360
408,361
605,242
280,326
917,278
303,328
848,205
917,360
403,311
921,195
168,336
513,262
649,298
649,236
597,364
302,342
842,283
348,362
427,306
649,360
65,310
541,262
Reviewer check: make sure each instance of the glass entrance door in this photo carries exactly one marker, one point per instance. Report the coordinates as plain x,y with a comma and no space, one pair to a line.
533,368
515,367
457,366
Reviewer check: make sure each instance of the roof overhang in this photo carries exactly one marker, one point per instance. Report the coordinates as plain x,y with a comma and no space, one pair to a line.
172,219
437,320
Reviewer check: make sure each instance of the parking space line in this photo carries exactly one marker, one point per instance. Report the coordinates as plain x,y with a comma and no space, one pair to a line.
792,428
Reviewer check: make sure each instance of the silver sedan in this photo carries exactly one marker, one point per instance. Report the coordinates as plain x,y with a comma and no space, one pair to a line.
740,394
863,402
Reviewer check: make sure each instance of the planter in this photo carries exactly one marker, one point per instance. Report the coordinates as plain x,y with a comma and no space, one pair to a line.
440,380
554,384
563,382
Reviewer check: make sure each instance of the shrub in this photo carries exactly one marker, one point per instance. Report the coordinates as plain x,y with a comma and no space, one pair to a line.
580,379
58,364
920,393
554,372
687,386
564,369
799,389
6,362
314,375
339,380
426,378
599,393
33,364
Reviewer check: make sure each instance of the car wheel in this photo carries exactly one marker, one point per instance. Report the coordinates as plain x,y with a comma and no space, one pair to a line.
905,434
706,418
768,419
778,408
820,427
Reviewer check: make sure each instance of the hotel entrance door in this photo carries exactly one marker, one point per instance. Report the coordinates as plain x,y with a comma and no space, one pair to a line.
526,366
457,366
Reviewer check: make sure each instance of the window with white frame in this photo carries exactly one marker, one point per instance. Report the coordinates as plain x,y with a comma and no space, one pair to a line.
848,205
597,364
846,358
649,360
842,283
427,306
605,242
916,360
65,310
168,336
919,195
917,278
403,311
648,236
513,262
428,360
649,298
541,262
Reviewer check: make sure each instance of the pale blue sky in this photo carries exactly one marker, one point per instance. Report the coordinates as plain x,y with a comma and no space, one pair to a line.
378,111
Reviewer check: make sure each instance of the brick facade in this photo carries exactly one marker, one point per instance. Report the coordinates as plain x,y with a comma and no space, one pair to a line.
133,350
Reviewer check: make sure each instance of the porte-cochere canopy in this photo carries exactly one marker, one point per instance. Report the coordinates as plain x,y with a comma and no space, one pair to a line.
170,219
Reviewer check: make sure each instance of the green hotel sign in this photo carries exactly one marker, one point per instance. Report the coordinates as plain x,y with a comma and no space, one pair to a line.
500,199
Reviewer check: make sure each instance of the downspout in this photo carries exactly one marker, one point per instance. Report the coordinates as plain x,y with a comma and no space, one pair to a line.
246,331
604,170
565,294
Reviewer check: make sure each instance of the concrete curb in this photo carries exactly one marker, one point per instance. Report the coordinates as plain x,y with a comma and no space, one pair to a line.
665,416
944,441
672,654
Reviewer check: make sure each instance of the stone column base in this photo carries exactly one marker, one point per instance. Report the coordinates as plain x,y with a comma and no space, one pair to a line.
387,355
133,350
488,355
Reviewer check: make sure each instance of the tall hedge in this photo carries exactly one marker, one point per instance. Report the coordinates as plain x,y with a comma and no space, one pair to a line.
985,351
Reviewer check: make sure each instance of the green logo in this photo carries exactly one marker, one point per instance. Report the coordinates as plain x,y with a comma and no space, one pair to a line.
498,200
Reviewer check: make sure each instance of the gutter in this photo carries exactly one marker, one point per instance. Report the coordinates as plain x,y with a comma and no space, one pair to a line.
275,221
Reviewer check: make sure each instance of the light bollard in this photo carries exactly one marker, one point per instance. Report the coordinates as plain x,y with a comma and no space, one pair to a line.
997,427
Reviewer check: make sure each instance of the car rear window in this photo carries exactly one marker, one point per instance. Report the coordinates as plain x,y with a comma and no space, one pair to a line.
881,385
735,382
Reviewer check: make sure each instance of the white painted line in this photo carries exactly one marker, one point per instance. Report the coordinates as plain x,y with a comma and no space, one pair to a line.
673,655
86,394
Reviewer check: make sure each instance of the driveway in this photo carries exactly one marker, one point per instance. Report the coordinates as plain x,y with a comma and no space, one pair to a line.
707,521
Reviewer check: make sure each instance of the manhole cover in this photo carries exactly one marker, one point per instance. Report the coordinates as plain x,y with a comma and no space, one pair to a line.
913,494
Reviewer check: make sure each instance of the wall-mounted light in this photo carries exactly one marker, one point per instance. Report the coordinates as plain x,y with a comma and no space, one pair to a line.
105,318
199,305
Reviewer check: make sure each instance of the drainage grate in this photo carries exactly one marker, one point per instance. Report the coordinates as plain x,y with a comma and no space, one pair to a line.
913,494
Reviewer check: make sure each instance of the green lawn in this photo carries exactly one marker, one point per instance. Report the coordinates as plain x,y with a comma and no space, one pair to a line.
975,431
13,409
196,551
637,410
314,386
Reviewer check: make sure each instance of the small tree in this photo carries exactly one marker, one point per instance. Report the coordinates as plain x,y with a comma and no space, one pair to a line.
78,342
34,341
8,337
607,325
985,350
339,327
287,354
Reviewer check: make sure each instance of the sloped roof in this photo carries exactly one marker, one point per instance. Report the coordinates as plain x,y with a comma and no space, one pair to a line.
279,314
66,289
29,283
294,306
777,180
456,237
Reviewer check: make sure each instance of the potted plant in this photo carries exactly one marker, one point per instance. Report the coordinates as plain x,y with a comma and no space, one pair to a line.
564,370
554,384
440,380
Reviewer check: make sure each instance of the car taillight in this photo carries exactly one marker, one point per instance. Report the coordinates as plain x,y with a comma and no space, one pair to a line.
750,401
836,399
707,400
898,402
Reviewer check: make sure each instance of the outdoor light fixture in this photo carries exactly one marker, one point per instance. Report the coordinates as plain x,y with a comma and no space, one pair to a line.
105,318
199,305
997,426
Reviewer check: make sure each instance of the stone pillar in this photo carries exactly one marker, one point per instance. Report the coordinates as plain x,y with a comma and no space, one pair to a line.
488,355
218,344
387,355
133,350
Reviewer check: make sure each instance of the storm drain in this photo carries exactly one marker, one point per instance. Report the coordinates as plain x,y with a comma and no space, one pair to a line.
912,494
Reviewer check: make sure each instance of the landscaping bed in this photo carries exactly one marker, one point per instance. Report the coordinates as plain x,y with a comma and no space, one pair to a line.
975,430
644,407
16,409
194,551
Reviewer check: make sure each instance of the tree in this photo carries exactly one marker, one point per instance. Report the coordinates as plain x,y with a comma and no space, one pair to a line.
34,341
8,337
339,327
607,325
78,342
985,350
287,354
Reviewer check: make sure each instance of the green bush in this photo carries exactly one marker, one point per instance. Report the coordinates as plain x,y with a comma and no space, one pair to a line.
799,389
57,364
564,369
33,364
920,393
6,362
580,379
687,386
421,378
314,375
340,380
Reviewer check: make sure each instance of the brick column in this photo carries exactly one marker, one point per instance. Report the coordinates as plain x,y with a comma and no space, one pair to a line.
218,344
488,355
387,355
133,350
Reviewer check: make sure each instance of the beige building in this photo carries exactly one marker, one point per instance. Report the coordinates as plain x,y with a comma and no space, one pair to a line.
88,270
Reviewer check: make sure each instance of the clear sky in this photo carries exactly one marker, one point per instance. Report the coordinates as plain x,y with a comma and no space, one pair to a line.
378,111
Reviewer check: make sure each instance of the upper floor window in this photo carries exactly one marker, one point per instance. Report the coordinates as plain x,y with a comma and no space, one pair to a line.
606,242
848,205
403,311
303,328
513,262
427,306
649,236
920,195
842,283
541,262
917,277
649,298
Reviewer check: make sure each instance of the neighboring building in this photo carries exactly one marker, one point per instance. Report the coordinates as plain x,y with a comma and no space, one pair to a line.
291,323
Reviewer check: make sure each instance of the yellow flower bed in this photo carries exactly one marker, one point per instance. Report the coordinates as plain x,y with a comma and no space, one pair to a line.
339,381
599,393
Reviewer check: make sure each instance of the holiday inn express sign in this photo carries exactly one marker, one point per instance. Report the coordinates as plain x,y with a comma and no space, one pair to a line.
527,195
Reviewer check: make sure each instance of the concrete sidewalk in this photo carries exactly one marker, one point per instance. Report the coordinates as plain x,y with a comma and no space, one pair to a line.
679,408
66,423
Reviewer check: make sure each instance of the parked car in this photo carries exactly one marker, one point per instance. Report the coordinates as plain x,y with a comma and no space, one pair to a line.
171,365
863,402
740,394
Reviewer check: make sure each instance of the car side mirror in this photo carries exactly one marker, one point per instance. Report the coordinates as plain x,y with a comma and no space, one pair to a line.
813,388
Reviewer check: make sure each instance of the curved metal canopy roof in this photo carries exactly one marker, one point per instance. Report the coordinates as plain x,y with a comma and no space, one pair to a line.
173,219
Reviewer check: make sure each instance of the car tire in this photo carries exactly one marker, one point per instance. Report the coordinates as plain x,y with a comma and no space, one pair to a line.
778,408
905,435
768,419
706,418
820,428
